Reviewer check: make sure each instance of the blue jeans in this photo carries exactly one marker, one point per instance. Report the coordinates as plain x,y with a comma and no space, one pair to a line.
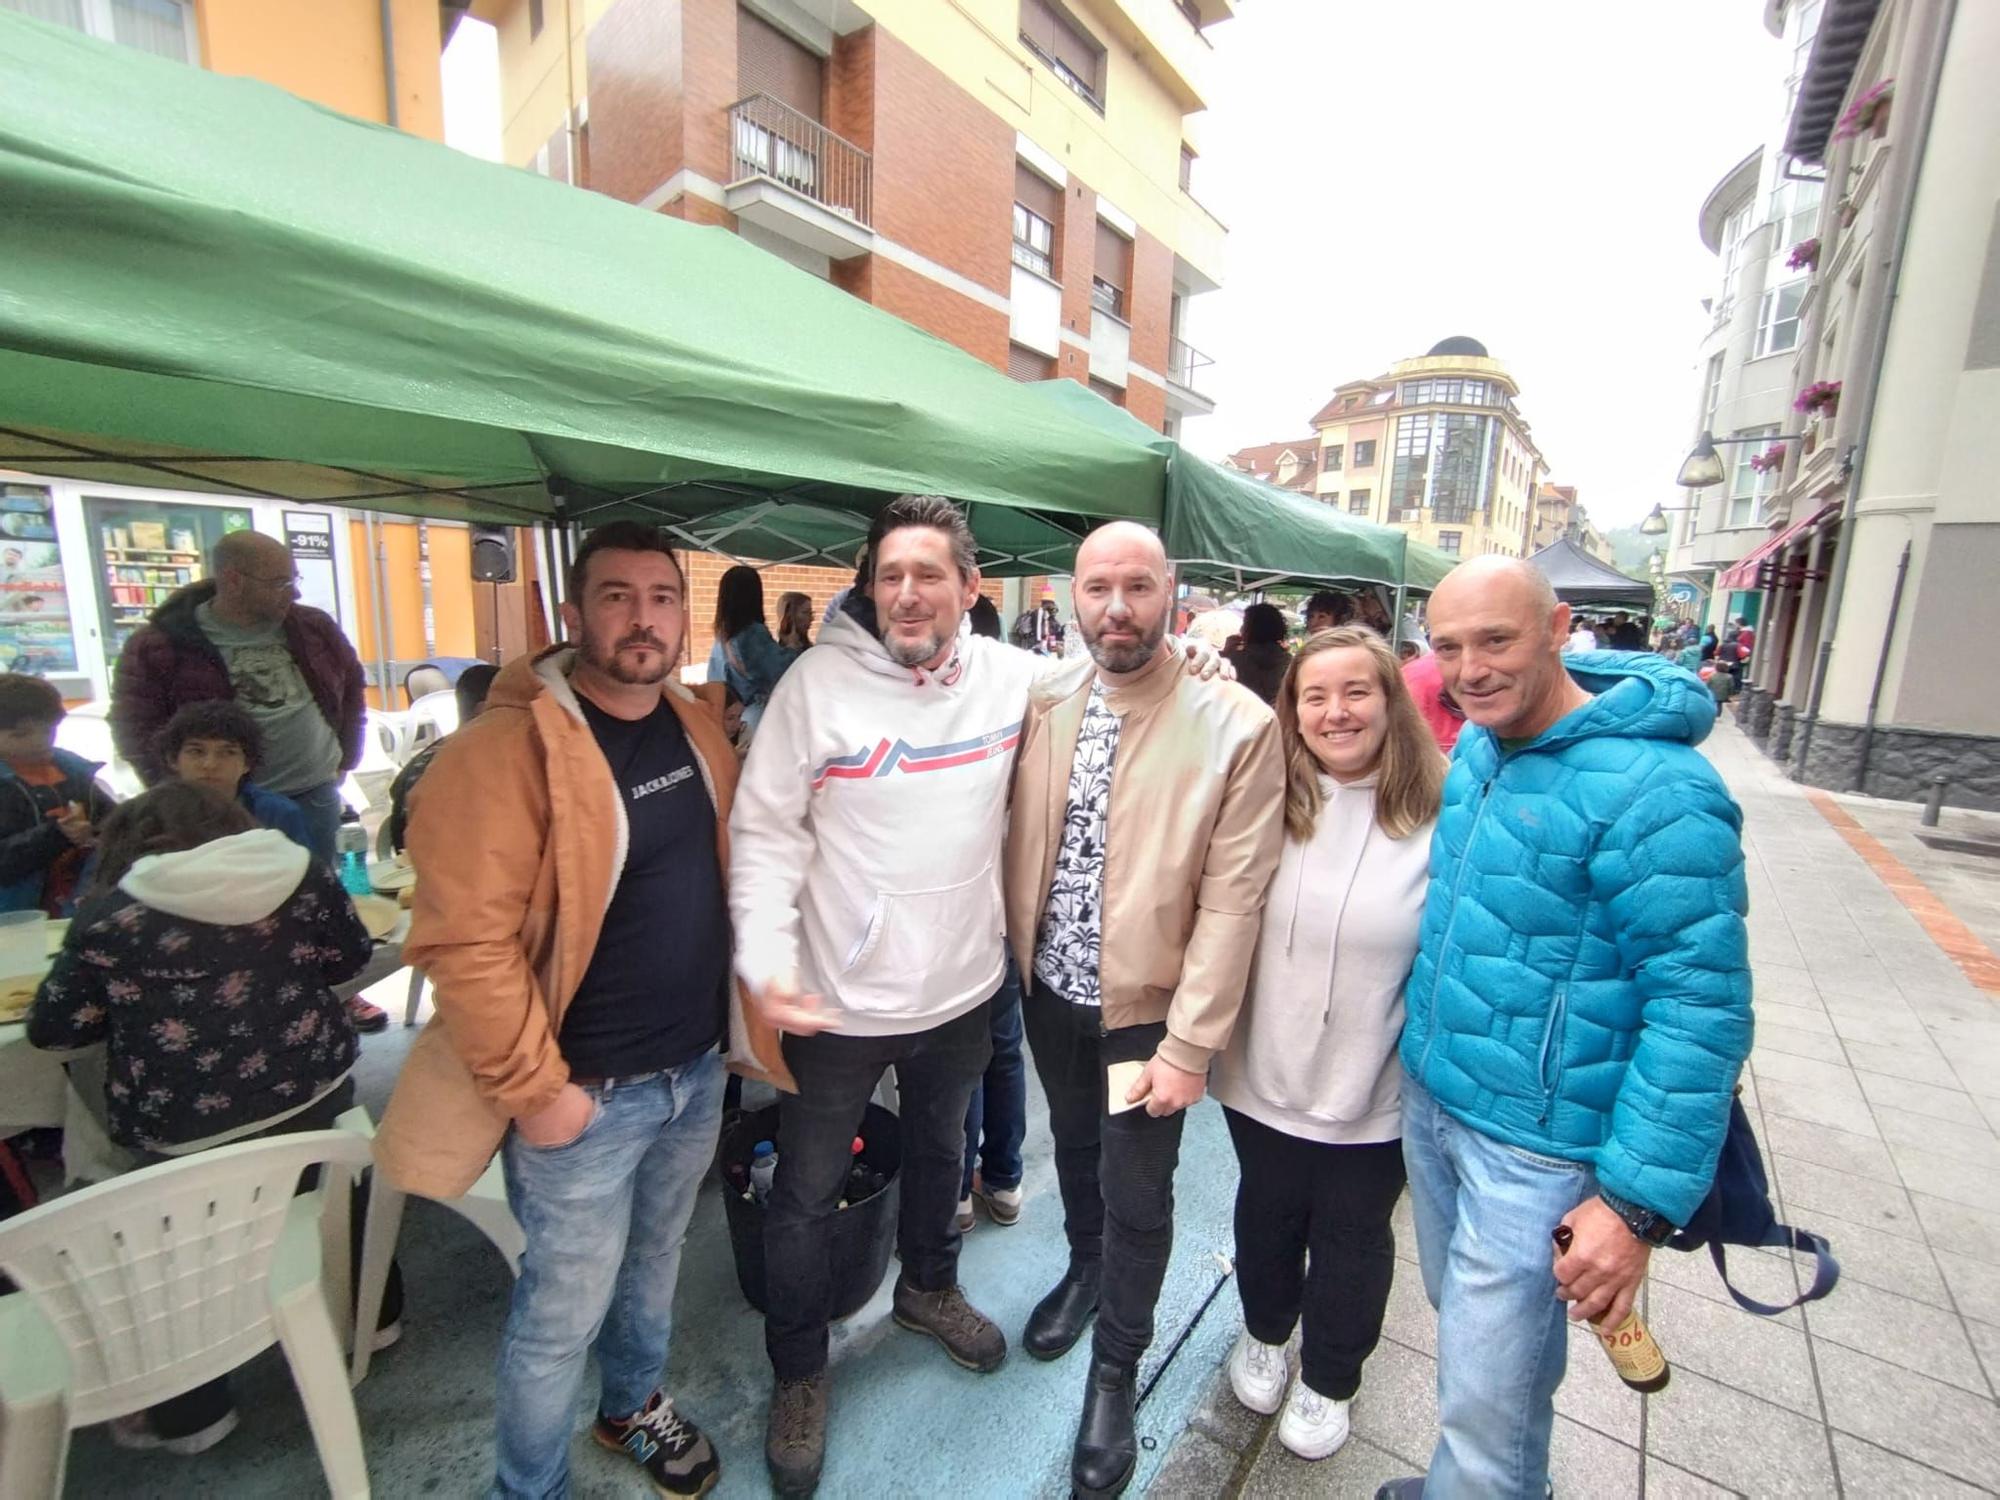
1484,1212
321,805
604,1218
999,1109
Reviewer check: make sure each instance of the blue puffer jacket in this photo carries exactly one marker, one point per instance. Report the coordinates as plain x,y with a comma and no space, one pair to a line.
1582,987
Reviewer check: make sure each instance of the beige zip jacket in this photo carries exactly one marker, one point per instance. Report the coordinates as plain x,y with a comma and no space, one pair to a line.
1194,832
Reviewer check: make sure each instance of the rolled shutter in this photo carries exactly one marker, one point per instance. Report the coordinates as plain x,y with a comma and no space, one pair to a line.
1114,257
769,62
1037,194
1024,363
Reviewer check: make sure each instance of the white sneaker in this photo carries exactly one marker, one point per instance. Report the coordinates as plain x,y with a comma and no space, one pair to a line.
1313,1426
136,1431
1257,1373
965,1219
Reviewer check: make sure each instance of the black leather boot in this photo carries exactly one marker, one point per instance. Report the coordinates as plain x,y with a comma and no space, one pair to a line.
1059,1319
1107,1449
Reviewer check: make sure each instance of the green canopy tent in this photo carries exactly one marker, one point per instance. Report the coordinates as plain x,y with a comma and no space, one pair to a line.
1224,527
210,284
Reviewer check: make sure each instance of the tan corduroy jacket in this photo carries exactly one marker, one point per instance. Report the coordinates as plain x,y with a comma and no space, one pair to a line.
1195,827
518,837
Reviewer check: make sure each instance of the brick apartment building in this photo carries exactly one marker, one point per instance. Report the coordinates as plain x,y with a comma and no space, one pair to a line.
1011,175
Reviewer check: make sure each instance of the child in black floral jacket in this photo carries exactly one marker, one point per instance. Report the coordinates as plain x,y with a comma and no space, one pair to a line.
203,961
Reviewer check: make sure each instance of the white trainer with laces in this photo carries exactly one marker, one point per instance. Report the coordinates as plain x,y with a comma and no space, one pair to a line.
1313,1426
1257,1373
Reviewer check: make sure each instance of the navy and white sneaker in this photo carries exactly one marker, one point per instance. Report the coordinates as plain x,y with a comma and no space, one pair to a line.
676,1457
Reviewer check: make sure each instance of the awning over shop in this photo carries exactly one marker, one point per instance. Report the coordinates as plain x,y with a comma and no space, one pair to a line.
1579,578
210,284
1744,575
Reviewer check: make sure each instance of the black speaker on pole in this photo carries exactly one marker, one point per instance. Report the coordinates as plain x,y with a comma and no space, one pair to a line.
492,554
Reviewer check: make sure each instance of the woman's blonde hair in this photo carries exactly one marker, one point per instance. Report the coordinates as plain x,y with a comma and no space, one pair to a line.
1409,780
794,619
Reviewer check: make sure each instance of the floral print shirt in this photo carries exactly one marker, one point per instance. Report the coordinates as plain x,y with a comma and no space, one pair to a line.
207,1028
1071,943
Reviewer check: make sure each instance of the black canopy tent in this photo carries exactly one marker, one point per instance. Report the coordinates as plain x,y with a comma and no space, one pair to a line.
1581,580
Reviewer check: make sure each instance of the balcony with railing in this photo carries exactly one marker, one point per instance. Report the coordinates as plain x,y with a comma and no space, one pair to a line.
793,176
1184,366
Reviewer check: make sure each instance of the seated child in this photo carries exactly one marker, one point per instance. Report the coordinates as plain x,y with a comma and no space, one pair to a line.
218,745
49,801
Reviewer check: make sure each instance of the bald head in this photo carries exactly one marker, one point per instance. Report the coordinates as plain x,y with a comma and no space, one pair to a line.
255,582
1494,579
1124,594
1498,632
1127,541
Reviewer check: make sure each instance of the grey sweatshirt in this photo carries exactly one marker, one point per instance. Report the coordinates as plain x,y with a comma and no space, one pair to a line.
1314,1051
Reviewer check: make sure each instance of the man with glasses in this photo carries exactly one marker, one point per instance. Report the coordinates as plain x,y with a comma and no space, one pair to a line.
241,634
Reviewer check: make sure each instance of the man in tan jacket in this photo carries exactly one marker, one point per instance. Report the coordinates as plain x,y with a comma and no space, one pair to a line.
1147,820
570,846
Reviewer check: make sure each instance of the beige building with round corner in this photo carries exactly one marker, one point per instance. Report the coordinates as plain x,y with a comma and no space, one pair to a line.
1438,447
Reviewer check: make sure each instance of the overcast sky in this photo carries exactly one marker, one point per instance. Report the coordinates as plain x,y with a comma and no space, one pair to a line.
1527,172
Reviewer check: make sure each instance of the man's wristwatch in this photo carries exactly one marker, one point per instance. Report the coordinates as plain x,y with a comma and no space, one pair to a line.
1647,1226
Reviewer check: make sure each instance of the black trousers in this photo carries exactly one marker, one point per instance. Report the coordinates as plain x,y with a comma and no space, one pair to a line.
1313,1240
1116,1172
936,1072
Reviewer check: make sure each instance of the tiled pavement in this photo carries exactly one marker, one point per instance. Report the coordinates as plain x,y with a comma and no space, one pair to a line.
1875,1088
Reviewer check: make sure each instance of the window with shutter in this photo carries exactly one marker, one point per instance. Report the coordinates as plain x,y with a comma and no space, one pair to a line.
1187,170
1111,276
1060,41
769,62
1037,210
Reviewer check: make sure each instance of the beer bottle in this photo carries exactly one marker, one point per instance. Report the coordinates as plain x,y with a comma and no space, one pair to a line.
1635,1353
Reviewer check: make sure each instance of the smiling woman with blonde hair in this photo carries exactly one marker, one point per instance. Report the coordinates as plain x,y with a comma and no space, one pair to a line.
1310,1084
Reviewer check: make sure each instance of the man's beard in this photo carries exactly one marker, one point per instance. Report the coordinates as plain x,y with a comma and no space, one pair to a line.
915,653
608,663
1120,657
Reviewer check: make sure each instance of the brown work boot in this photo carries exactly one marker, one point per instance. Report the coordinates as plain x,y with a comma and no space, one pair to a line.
795,1434
968,1335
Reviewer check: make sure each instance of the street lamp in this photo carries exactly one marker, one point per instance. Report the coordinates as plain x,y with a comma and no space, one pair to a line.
1701,468
1703,465
1655,523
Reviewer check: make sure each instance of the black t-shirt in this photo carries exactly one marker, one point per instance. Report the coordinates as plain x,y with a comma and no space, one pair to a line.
655,993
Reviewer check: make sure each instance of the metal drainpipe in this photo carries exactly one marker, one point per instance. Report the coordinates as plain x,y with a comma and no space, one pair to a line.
424,578
378,573
1881,671
1878,349
389,62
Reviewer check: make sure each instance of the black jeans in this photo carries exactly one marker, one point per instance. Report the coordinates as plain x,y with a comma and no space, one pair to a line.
936,1072
1313,1239
1116,1171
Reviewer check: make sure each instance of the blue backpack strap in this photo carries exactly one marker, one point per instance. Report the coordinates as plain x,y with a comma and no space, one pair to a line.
1826,1271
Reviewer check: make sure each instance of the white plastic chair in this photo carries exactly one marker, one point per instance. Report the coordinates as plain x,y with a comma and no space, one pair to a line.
484,1207
144,1287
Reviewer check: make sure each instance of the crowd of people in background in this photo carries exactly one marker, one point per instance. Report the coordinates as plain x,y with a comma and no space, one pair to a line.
914,845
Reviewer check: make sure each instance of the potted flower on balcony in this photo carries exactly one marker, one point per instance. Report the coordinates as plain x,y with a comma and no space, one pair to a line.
1869,111
1820,396
1805,256
1769,461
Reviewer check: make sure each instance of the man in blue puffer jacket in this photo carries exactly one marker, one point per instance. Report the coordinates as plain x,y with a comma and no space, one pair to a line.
1578,1012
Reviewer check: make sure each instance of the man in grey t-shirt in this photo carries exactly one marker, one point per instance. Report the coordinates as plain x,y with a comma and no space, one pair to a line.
244,635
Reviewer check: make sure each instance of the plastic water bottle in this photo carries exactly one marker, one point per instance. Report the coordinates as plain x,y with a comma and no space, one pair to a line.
763,1168
354,874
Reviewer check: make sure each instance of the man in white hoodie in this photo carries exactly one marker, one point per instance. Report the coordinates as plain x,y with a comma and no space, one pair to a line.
865,888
